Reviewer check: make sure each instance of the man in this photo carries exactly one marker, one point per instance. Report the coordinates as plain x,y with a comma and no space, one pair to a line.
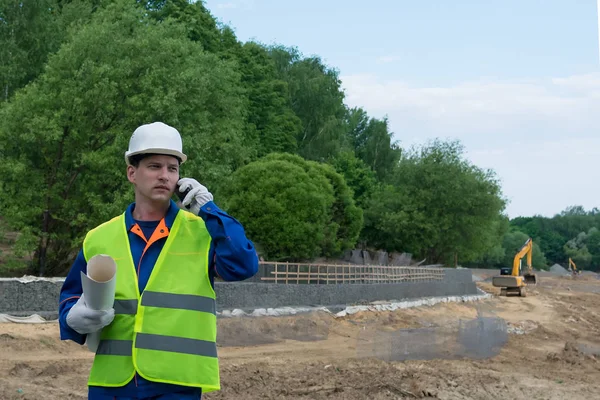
159,339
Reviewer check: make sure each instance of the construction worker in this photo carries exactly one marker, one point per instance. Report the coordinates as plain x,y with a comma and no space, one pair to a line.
159,339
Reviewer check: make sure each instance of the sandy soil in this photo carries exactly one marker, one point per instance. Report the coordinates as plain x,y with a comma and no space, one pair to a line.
552,353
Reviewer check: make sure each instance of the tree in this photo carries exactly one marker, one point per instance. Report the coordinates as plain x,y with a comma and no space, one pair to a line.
393,222
439,205
283,207
316,98
293,208
271,125
270,116
66,133
28,33
200,25
358,176
593,245
346,219
495,256
584,248
573,210
372,142
553,234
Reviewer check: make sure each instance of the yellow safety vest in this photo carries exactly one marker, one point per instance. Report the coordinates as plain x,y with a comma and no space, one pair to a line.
168,334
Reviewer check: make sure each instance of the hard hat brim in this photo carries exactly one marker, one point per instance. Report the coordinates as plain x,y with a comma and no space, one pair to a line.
166,152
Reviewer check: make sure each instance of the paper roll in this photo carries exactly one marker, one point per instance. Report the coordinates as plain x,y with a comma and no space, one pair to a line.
99,289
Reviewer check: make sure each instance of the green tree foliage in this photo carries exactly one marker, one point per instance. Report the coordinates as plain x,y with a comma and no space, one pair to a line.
29,32
543,229
294,209
577,249
571,233
62,139
395,223
270,116
283,208
593,245
439,205
372,142
358,176
200,25
27,35
317,99
271,125
584,249
495,256
346,218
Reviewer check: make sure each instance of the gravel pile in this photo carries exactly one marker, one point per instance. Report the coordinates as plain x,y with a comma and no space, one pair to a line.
557,269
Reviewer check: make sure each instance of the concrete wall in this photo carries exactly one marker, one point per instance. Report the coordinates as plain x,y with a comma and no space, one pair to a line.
262,295
41,297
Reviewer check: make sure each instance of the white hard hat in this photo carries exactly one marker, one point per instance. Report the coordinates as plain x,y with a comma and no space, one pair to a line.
156,138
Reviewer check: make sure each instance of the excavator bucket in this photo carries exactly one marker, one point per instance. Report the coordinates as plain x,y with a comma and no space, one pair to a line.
530,278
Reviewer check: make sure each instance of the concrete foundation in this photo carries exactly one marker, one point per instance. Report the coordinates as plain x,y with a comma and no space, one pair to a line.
41,296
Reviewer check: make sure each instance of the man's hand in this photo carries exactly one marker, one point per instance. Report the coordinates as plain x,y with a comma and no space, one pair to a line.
84,320
196,197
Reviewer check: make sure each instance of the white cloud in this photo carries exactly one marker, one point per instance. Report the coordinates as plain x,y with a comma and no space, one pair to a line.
544,177
589,83
540,135
488,105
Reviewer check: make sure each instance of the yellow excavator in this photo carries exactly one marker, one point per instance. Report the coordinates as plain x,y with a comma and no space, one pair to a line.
573,268
511,280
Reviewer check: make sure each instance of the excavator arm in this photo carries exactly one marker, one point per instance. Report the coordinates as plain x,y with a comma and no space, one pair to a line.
527,249
573,267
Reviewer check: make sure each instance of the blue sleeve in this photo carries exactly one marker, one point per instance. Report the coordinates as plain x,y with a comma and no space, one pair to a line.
69,294
233,254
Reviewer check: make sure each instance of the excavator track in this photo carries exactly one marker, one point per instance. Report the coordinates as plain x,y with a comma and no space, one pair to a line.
514,291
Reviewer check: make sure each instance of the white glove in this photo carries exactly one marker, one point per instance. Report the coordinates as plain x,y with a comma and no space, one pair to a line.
196,197
84,320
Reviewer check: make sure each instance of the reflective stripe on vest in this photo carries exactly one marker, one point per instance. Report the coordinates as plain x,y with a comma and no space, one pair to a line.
180,301
158,342
115,347
168,334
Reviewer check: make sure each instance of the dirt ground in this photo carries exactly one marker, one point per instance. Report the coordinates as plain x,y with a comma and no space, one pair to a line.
552,353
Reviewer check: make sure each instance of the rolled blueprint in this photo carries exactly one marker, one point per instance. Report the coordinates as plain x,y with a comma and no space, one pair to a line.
99,289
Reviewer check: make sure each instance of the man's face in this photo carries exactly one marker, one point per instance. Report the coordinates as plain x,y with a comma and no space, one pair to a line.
155,177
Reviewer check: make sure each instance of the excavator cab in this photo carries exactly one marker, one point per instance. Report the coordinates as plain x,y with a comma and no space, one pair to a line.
515,282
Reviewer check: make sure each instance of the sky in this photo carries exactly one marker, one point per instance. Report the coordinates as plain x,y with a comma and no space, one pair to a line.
516,81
